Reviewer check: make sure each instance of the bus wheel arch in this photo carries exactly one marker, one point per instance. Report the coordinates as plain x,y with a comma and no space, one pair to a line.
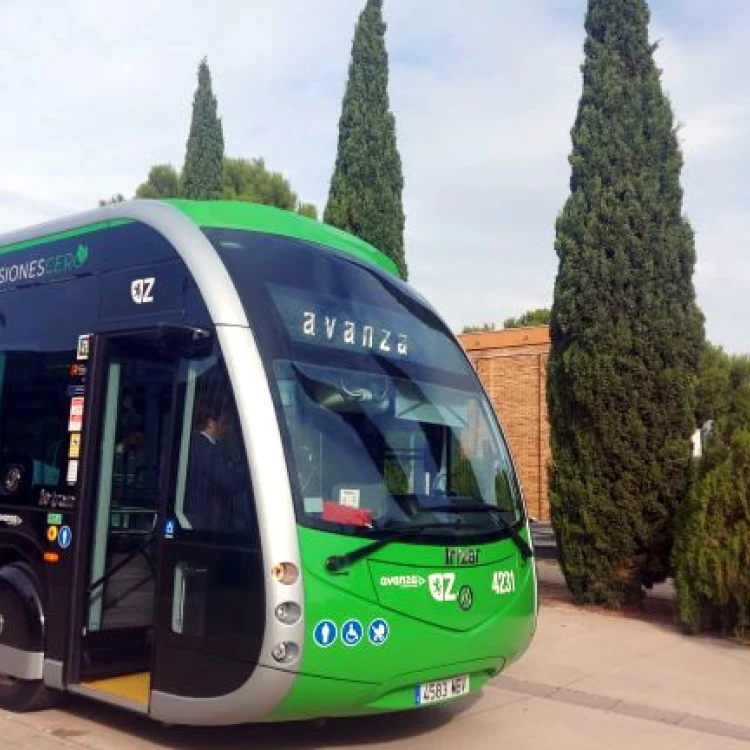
21,639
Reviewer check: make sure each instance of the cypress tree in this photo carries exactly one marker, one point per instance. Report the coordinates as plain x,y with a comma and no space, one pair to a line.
626,331
202,173
712,546
367,182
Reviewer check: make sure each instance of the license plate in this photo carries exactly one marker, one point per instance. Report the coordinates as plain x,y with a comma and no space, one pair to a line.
441,690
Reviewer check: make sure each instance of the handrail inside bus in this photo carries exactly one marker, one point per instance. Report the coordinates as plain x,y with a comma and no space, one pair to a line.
120,565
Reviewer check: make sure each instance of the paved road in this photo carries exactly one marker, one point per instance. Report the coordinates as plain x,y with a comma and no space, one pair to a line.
590,681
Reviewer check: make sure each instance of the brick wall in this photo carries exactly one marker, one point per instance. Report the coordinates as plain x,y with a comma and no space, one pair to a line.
512,365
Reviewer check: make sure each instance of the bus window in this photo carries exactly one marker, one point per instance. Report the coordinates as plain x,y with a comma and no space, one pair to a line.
34,409
391,447
214,493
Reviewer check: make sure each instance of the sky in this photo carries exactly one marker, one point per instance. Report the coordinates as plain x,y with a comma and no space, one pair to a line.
484,93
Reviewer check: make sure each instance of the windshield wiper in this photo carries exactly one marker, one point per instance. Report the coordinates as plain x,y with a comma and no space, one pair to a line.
336,562
497,518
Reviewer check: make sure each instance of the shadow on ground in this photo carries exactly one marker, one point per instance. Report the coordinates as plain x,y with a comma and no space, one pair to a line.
658,607
360,731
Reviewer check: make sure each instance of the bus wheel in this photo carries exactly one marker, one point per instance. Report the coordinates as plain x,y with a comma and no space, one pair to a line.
21,640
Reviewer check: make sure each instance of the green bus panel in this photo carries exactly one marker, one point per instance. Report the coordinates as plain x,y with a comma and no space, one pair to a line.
427,639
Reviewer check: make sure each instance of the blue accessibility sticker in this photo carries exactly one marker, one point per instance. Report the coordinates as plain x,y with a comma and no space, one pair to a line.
169,528
378,631
64,537
325,633
351,632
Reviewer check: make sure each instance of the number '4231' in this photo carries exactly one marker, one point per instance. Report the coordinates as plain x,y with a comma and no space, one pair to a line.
503,582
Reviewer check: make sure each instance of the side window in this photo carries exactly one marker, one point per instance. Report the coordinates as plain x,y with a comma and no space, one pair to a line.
214,490
34,411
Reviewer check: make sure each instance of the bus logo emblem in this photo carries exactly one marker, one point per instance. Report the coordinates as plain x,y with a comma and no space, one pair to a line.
465,598
141,290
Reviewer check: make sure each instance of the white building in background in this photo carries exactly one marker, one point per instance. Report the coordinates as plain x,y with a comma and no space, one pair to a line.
700,436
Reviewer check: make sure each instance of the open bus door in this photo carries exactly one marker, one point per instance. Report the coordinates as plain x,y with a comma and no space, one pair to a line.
153,593
130,424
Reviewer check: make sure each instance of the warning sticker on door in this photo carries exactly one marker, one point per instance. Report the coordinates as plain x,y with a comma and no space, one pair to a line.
72,472
75,445
75,421
83,347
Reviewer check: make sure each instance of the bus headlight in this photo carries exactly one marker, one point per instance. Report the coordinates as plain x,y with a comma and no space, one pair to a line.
285,652
285,572
288,612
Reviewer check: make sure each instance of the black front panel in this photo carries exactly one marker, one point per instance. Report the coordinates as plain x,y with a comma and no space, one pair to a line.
221,623
211,600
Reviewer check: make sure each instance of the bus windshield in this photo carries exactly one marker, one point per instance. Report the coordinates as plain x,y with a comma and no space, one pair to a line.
383,417
377,450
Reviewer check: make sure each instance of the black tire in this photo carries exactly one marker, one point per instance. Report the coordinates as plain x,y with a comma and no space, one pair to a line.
20,608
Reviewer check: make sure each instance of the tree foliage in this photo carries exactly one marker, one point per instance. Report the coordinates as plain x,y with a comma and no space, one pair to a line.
249,180
538,317
243,180
163,182
365,196
116,198
712,548
208,175
481,328
204,156
625,328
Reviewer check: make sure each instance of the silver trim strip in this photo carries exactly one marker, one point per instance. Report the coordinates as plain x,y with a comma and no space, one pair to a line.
53,674
25,665
260,689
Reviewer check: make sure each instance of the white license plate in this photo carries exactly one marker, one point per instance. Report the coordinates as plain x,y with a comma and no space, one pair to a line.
441,690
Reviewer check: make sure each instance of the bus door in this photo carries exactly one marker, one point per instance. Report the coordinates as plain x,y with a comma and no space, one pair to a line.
210,610
171,575
131,418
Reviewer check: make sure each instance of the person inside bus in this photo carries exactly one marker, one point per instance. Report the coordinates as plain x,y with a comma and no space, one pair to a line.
216,490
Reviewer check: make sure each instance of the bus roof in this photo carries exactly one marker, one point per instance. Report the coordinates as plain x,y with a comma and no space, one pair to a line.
255,217
223,215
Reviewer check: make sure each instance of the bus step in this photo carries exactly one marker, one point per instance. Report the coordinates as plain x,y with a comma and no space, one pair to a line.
131,687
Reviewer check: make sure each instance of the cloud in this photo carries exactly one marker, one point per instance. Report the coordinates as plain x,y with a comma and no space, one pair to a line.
703,58
484,93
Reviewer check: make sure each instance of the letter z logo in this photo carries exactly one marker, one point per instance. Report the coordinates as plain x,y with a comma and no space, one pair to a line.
441,586
141,290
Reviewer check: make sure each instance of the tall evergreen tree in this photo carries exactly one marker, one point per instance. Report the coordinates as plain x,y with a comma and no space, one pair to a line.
367,183
202,172
626,331
712,547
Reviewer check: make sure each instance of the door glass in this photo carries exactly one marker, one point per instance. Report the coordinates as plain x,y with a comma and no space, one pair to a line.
214,492
137,416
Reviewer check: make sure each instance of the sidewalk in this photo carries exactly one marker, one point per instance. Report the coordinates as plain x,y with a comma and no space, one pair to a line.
643,669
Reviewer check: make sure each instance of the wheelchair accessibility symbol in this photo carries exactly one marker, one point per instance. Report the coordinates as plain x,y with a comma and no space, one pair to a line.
351,632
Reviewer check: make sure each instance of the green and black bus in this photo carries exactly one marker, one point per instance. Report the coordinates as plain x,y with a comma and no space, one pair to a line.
246,474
